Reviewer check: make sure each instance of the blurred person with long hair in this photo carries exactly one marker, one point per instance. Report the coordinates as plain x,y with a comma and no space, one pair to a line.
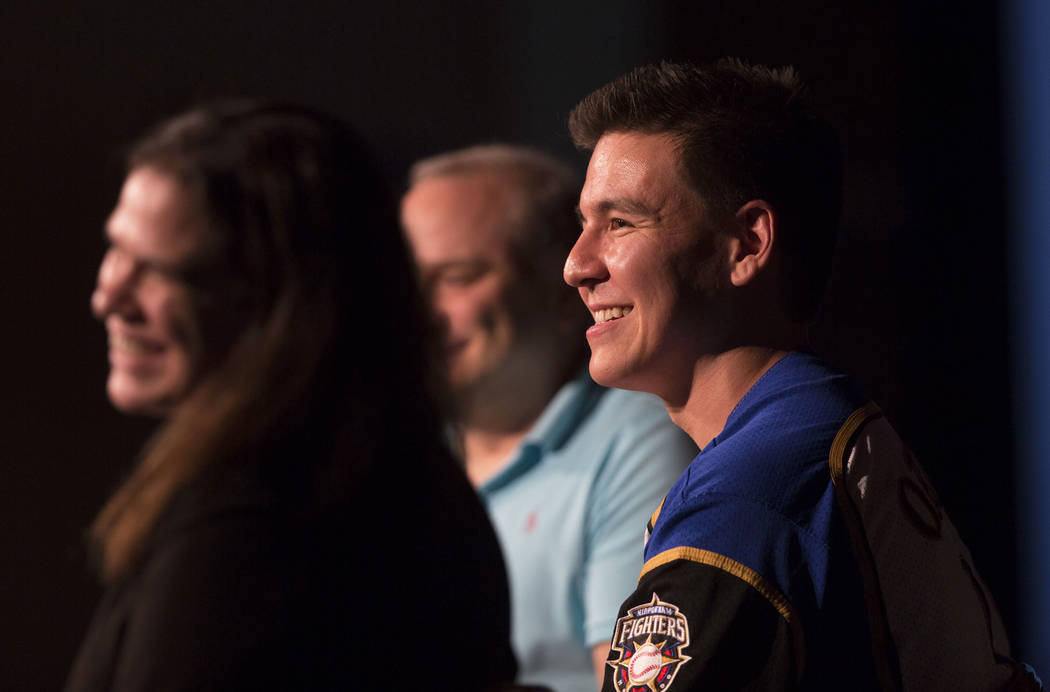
297,522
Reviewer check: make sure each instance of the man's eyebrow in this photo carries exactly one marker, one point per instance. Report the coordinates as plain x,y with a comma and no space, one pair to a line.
468,263
621,204
624,204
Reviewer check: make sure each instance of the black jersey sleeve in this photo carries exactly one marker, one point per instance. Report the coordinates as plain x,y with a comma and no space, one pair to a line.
699,621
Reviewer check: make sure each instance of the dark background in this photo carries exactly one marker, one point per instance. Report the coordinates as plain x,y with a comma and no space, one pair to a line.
919,296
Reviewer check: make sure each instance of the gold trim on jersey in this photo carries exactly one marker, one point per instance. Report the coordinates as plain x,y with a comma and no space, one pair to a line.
883,649
656,514
844,439
745,573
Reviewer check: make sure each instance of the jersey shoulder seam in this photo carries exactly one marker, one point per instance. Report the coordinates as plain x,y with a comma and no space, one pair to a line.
725,564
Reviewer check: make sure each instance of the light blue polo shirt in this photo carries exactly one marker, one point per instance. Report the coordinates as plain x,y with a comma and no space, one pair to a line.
570,510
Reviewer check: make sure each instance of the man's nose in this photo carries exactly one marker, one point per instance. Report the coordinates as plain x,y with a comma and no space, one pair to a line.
583,266
435,305
441,320
116,275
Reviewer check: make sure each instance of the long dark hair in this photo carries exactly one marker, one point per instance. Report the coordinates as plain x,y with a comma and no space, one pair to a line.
310,312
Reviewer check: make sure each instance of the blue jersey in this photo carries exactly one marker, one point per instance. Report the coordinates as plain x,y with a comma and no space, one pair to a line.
788,555
762,485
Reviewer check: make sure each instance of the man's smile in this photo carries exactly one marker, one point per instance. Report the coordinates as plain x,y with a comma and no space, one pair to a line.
614,313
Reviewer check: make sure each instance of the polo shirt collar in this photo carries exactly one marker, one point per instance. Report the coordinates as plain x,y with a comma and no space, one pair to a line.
552,429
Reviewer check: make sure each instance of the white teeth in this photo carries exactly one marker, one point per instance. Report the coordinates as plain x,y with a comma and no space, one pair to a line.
133,346
607,314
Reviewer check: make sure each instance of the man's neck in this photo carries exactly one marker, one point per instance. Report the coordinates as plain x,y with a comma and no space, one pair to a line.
486,452
494,423
718,384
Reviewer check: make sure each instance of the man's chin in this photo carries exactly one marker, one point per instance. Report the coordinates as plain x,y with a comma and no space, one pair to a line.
617,377
605,374
475,392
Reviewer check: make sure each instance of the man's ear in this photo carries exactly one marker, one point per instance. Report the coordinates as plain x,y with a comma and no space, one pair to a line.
752,235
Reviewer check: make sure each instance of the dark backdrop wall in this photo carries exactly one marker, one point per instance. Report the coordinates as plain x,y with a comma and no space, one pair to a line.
917,307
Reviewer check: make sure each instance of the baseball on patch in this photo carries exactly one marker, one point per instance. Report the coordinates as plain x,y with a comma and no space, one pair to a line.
645,663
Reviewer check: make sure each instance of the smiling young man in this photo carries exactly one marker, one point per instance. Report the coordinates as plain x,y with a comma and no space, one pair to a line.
803,548
567,469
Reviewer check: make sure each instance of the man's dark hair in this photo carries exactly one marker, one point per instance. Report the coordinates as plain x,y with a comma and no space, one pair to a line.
744,132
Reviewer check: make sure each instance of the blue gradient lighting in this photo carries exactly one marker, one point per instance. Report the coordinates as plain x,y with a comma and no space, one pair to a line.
1026,115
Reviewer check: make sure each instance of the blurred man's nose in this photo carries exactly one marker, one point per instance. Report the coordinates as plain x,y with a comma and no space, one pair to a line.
442,323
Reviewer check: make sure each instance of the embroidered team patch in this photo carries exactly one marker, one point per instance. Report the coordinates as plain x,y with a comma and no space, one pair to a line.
648,643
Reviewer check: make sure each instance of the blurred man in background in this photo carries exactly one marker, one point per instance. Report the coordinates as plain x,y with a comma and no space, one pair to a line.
569,470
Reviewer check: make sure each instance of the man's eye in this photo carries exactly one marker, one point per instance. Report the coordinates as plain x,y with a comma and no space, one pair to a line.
174,274
461,277
619,223
168,274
